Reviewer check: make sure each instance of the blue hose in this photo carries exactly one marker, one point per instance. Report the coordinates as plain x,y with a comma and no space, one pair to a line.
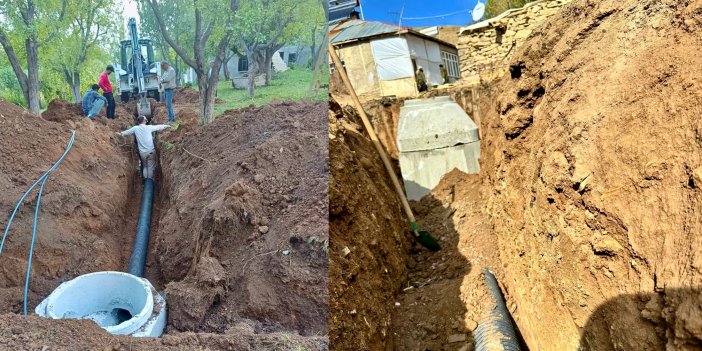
43,180
31,247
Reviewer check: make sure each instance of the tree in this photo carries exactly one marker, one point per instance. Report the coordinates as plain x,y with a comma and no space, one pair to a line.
264,26
86,38
496,7
214,21
28,22
178,17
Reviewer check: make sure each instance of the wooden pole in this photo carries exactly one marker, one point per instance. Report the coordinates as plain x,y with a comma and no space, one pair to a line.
374,138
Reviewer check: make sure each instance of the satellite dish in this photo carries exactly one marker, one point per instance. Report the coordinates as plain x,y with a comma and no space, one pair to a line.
479,11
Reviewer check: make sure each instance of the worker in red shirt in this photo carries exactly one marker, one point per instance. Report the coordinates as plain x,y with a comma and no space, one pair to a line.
106,86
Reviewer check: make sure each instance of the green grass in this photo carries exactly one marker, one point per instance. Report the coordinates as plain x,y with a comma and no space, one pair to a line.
293,84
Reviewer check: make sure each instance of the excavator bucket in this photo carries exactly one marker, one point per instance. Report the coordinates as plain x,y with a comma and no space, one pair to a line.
144,108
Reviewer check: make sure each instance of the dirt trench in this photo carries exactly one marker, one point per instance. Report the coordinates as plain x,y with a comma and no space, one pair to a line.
100,183
387,291
587,205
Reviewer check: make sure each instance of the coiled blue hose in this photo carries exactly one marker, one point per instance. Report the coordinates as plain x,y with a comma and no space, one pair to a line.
43,180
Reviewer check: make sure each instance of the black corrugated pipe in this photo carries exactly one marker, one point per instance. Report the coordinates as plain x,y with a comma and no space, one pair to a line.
141,241
495,331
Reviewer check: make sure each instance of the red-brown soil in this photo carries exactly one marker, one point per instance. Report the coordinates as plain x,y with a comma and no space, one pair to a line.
592,168
587,205
390,293
244,235
224,279
369,241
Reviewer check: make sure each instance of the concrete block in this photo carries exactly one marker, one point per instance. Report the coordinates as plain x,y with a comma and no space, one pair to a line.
434,136
428,124
422,170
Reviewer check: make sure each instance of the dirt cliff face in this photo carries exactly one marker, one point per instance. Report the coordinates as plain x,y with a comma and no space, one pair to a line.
369,241
243,234
593,166
83,203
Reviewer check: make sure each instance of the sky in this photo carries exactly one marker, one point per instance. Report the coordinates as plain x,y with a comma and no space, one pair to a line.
130,9
451,12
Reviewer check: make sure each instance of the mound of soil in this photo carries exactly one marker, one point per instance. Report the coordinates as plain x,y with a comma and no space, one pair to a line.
74,218
63,111
593,168
60,110
369,241
34,333
243,229
186,96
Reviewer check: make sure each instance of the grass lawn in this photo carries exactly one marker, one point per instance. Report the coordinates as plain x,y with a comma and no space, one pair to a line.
293,84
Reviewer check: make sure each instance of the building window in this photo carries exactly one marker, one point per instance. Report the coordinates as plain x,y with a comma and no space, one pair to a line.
292,58
282,55
243,64
450,61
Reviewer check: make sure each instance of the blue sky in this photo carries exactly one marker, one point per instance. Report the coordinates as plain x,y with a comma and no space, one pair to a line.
389,11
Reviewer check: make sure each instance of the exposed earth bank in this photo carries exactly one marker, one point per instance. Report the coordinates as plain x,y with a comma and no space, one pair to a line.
239,233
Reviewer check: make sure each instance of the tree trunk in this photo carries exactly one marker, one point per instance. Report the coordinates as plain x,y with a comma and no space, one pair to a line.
32,75
207,82
313,47
268,62
251,86
207,97
227,76
16,67
73,80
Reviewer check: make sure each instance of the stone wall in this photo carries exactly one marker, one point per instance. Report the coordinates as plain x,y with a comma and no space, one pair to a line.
484,48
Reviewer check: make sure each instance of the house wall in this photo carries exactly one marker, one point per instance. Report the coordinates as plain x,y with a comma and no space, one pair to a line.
362,70
403,87
233,66
304,55
485,48
360,67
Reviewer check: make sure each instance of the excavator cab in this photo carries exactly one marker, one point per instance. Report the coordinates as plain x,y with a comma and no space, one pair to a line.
139,71
128,76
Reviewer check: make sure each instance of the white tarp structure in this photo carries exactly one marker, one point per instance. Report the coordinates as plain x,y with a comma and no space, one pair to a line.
427,54
392,58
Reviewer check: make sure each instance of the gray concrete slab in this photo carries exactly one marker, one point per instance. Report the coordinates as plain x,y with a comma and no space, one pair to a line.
434,123
434,137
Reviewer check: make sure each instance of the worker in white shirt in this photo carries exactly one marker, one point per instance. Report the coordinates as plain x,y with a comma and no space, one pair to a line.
145,143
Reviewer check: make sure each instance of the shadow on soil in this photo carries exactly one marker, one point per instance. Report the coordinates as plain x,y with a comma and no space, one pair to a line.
430,315
669,320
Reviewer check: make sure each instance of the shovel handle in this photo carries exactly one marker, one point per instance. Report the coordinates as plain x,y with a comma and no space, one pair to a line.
373,136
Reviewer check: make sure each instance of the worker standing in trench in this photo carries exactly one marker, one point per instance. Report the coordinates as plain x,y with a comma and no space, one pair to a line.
145,143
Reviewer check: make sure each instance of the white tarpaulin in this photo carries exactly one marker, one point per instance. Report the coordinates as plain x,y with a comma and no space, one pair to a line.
416,46
427,55
392,58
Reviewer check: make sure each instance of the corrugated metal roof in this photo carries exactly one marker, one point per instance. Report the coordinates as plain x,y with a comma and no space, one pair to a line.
357,29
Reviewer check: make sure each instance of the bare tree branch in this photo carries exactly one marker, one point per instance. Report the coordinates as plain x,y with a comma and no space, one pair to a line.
167,36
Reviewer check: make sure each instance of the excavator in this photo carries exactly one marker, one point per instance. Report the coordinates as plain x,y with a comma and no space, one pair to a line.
140,79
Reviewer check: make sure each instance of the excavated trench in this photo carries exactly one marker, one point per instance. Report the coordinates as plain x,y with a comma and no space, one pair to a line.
238,240
407,297
587,205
